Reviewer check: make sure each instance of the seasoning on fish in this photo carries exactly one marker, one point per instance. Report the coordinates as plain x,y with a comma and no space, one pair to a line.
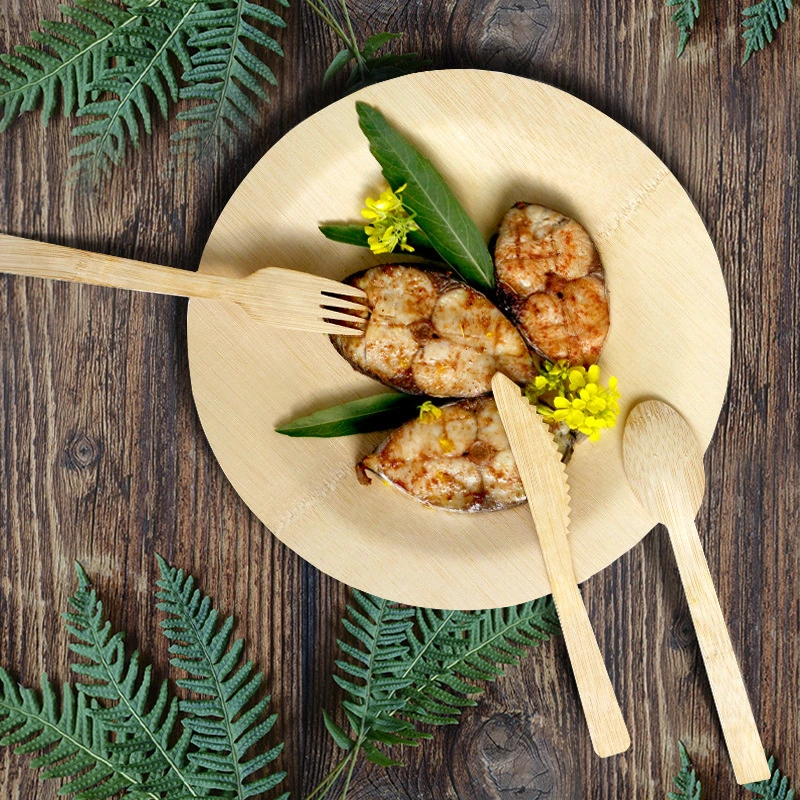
429,333
459,460
552,284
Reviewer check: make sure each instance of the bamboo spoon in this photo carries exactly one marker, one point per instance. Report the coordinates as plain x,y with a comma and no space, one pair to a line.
664,465
545,481
279,297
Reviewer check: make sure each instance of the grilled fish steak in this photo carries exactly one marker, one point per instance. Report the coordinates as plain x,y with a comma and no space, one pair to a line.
551,283
429,333
461,461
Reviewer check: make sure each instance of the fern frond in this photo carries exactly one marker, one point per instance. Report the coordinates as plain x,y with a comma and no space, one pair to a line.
225,73
225,724
471,647
760,22
142,68
685,18
143,729
420,665
775,788
71,742
380,659
686,780
70,57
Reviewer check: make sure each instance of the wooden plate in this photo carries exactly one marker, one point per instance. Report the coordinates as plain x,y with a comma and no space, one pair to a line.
497,139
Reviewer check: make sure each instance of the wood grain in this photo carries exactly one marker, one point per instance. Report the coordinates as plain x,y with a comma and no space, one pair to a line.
102,457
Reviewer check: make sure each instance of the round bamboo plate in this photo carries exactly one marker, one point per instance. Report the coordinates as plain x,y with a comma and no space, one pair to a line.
497,139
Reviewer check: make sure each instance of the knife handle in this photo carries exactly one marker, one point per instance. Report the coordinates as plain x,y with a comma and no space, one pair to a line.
603,715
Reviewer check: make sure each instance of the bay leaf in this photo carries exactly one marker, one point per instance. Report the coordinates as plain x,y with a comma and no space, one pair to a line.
443,219
365,415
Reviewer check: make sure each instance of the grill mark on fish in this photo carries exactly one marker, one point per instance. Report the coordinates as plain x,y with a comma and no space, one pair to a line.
428,333
552,284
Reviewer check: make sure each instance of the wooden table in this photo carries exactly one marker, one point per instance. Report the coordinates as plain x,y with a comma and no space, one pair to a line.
102,458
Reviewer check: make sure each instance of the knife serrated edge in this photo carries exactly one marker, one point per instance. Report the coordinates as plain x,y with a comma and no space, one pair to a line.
536,473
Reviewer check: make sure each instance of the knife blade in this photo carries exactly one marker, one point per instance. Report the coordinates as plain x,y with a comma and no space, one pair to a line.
545,481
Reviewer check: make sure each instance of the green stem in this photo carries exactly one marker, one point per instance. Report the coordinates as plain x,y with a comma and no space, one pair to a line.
329,779
352,767
355,49
324,13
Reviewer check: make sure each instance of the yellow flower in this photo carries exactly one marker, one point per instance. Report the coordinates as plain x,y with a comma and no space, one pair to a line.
389,222
582,402
428,412
552,378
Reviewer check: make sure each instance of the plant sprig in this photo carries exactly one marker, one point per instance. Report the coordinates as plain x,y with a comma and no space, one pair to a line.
108,735
404,666
368,67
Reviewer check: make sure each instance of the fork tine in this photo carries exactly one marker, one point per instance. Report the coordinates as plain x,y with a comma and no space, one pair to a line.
318,326
307,281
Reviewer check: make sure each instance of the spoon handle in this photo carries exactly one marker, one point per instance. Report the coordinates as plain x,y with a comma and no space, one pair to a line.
34,259
603,715
730,696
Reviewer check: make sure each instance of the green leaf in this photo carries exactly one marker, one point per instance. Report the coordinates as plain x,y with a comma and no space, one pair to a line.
228,721
68,737
68,59
776,787
452,233
368,414
685,17
143,68
355,234
377,757
760,23
340,61
688,785
337,734
383,68
374,43
140,723
226,74
418,665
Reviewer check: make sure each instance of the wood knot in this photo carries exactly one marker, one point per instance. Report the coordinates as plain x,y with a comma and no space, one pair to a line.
82,452
683,635
505,758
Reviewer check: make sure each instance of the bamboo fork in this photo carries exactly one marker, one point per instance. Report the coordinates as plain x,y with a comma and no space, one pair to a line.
283,298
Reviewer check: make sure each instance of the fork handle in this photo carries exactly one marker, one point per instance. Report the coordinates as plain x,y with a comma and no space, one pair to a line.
604,719
34,259
730,696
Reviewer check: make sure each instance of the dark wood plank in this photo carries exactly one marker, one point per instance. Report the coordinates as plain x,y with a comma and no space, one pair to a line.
102,458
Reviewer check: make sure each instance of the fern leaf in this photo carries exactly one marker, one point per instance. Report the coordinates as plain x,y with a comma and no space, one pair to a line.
225,724
71,742
774,788
469,647
419,665
381,630
686,780
685,17
142,68
760,22
144,727
70,57
225,73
